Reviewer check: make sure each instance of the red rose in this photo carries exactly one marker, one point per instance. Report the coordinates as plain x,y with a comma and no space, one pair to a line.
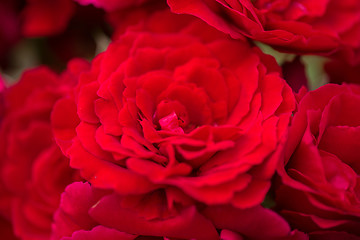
319,27
89,213
34,172
321,187
174,103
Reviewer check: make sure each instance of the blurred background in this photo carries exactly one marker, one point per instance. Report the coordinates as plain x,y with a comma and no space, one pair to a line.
37,32
43,32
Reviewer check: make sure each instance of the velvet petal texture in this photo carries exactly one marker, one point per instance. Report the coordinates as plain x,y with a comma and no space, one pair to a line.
34,171
320,175
294,26
187,108
86,212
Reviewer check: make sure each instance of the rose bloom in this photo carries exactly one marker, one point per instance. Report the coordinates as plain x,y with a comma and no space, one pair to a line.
174,103
321,189
307,26
34,171
86,212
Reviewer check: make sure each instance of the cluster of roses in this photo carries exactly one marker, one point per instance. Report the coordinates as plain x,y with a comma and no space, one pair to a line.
184,129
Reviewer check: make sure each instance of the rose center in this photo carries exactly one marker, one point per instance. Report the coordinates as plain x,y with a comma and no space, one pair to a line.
171,115
172,123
